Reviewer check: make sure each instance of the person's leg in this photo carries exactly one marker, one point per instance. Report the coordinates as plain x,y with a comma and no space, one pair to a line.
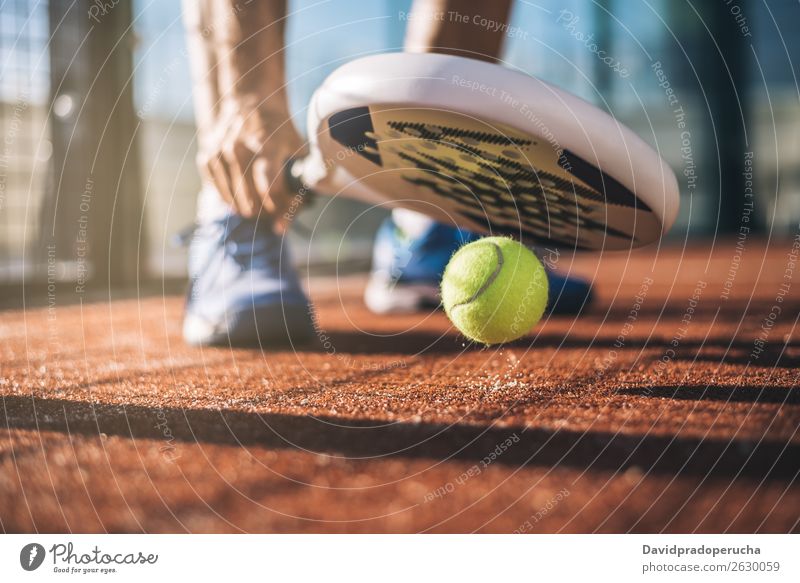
243,287
198,19
411,250
453,27
466,28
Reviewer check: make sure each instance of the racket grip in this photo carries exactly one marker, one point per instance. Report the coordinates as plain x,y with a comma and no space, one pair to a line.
293,177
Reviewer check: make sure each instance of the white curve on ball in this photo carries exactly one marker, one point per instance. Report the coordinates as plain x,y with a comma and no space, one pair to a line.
489,280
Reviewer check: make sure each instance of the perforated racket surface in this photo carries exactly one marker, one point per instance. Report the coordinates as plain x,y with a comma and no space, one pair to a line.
487,176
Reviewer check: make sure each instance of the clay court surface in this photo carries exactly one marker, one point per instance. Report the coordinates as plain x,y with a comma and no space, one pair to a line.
652,412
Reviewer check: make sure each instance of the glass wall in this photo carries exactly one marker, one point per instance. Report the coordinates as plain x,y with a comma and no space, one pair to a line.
25,148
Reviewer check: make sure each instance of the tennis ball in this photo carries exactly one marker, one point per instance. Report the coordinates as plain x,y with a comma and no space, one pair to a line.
494,290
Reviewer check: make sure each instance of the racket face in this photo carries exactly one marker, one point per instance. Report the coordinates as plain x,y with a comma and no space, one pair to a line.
485,176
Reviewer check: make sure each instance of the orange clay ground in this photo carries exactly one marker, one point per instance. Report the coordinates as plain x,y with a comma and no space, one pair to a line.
652,412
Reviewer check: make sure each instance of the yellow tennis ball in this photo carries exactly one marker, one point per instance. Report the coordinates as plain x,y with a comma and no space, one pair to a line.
494,290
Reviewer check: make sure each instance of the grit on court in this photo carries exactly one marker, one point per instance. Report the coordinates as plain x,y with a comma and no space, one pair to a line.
671,406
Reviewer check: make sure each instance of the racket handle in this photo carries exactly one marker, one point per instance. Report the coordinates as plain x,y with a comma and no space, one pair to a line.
293,177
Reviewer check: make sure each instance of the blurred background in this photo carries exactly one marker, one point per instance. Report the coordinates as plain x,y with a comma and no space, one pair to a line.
97,169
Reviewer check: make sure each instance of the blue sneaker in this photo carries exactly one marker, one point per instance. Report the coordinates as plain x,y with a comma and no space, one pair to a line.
244,290
407,272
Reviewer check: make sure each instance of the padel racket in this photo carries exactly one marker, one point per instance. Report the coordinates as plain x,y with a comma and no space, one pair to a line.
485,148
